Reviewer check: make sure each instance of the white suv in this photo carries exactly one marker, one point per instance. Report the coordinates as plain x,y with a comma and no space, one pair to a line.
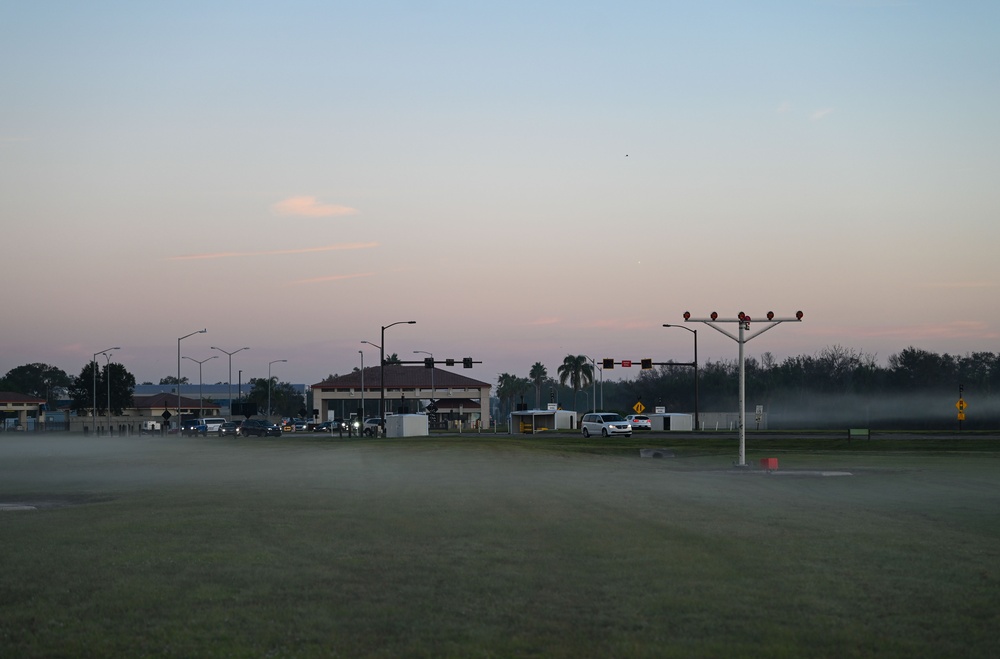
605,424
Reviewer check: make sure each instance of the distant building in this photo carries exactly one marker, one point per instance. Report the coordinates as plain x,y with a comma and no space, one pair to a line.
406,387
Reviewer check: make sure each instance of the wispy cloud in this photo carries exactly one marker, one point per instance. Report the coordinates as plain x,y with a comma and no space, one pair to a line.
274,252
310,207
964,284
317,280
820,114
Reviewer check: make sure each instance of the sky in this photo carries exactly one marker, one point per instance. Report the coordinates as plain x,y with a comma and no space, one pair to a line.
525,180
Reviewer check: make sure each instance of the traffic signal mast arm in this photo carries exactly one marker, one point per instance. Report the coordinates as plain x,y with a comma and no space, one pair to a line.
466,362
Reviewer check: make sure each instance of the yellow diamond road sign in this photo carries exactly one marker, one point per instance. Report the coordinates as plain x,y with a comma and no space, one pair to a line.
961,405
638,407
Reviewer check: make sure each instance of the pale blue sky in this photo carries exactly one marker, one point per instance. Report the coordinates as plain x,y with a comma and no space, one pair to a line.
525,180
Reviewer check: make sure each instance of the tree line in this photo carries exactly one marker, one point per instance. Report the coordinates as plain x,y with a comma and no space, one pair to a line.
112,386
837,387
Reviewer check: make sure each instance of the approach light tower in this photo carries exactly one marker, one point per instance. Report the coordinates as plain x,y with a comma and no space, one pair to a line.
743,322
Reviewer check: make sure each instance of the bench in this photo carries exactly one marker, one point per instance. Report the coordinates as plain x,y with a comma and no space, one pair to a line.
858,433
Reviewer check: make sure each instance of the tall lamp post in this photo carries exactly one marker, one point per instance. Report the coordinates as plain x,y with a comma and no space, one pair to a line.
107,376
697,424
269,385
230,375
362,419
201,331
201,397
433,368
94,361
381,400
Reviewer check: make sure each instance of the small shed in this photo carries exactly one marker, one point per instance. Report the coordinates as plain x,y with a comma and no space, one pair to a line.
532,421
671,421
406,425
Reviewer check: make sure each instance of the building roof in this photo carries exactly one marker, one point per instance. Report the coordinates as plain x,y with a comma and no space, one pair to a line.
169,402
401,376
14,397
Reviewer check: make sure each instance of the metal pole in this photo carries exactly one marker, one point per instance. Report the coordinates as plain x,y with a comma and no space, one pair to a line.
201,396
433,368
381,384
94,362
201,331
362,419
697,423
744,324
230,375
107,375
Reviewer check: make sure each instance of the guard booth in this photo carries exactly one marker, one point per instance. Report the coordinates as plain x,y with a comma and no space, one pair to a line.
531,421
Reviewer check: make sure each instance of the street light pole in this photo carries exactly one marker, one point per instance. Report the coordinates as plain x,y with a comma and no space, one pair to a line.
381,400
94,362
107,376
201,331
201,397
269,385
433,368
230,375
362,353
697,424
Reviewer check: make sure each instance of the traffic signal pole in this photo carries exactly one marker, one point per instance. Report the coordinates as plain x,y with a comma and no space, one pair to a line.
741,338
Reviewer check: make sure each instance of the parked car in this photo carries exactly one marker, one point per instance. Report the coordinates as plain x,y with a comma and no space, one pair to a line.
372,426
230,429
605,424
192,427
639,422
213,423
260,428
337,425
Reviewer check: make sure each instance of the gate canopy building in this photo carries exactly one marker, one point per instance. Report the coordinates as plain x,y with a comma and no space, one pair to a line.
405,388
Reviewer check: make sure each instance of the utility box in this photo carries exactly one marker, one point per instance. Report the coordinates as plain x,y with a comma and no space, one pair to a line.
406,425
770,464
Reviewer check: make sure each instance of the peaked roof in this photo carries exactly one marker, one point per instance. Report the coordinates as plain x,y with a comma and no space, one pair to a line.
401,376
14,397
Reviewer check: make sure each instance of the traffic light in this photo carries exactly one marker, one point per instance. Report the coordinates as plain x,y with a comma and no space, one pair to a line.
428,362
647,364
609,363
467,362
449,362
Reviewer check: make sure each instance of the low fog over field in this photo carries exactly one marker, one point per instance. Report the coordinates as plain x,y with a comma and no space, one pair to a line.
487,545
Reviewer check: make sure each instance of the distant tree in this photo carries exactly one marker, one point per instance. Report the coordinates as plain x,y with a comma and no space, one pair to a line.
578,371
538,374
172,379
392,359
38,380
122,385
285,400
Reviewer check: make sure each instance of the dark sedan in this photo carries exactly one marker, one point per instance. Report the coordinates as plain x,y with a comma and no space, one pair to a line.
260,428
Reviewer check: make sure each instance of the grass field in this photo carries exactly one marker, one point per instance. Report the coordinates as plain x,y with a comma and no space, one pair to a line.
498,546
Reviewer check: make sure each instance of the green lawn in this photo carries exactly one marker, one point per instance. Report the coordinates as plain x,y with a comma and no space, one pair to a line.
497,546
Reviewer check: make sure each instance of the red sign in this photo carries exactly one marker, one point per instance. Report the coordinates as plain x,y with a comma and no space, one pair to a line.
626,363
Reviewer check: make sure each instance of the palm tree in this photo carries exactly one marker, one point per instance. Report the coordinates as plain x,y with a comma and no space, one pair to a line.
538,375
579,372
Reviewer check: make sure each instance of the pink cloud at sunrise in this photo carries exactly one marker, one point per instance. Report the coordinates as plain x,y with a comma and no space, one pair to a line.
310,207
